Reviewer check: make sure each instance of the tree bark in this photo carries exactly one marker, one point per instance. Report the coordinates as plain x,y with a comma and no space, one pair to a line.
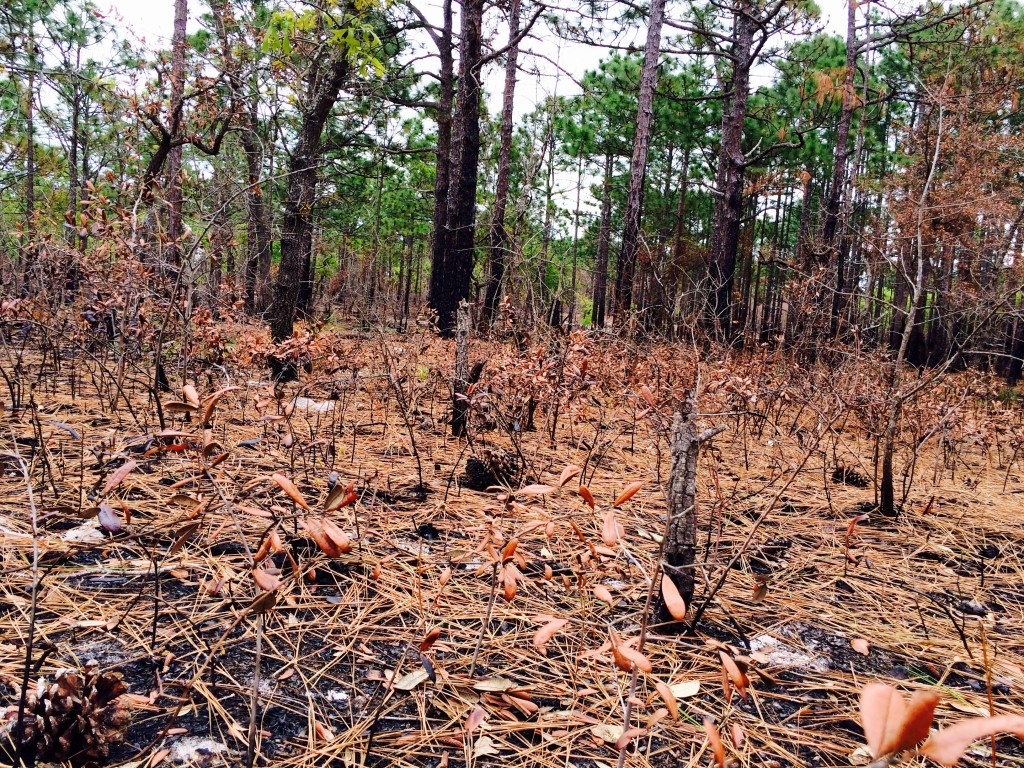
603,246
638,165
452,286
323,88
499,240
443,162
175,198
728,208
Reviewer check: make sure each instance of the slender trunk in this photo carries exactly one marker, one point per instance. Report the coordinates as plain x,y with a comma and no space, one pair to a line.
638,165
443,164
499,240
175,198
838,186
453,285
604,237
30,162
728,209
297,226
71,217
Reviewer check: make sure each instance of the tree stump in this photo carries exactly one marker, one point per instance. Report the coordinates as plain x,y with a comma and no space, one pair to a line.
460,388
679,549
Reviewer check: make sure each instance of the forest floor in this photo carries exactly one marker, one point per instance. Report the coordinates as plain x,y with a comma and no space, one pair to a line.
167,600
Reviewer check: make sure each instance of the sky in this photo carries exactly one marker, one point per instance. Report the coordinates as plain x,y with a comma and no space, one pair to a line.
151,20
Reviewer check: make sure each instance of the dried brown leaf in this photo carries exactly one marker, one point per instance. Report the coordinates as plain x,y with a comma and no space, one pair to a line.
949,745
628,493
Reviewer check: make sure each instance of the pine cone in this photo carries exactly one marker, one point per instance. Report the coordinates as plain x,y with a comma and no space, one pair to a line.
493,466
848,476
75,718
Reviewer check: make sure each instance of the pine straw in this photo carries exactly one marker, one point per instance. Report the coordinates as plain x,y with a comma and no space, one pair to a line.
331,647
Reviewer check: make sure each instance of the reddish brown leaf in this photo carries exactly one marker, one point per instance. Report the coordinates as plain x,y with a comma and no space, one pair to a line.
602,593
715,741
738,735
191,395
290,488
475,719
861,646
543,635
734,673
647,395
509,581
568,474
669,698
628,493
587,496
314,527
118,476
949,745
429,639
673,600
636,657
339,537
890,723
266,581
509,549
627,736
610,529
537,489
212,402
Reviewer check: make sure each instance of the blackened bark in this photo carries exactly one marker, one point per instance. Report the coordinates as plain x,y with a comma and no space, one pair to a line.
638,166
838,185
443,162
728,209
257,210
499,240
603,246
324,85
175,199
452,286
679,549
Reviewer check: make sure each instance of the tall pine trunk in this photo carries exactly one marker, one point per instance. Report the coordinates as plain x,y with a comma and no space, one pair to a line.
638,165
499,240
603,247
451,285
297,226
728,209
175,198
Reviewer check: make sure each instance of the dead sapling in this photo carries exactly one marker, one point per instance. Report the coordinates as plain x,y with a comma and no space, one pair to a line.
679,548
465,377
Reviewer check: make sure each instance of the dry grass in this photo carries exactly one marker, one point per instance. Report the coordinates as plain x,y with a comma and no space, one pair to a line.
332,645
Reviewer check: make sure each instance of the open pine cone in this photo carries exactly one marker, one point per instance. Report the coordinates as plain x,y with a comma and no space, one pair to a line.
74,718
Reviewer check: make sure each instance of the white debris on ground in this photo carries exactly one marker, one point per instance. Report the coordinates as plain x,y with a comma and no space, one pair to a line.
87,533
783,656
308,404
193,750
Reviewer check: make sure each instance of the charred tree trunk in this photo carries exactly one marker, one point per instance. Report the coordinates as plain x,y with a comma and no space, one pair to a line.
297,226
603,247
499,240
638,165
728,209
443,161
450,284
679,549
257,209
838,185
460,388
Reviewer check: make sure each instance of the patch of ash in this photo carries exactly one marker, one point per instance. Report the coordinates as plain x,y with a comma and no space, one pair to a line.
782,655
